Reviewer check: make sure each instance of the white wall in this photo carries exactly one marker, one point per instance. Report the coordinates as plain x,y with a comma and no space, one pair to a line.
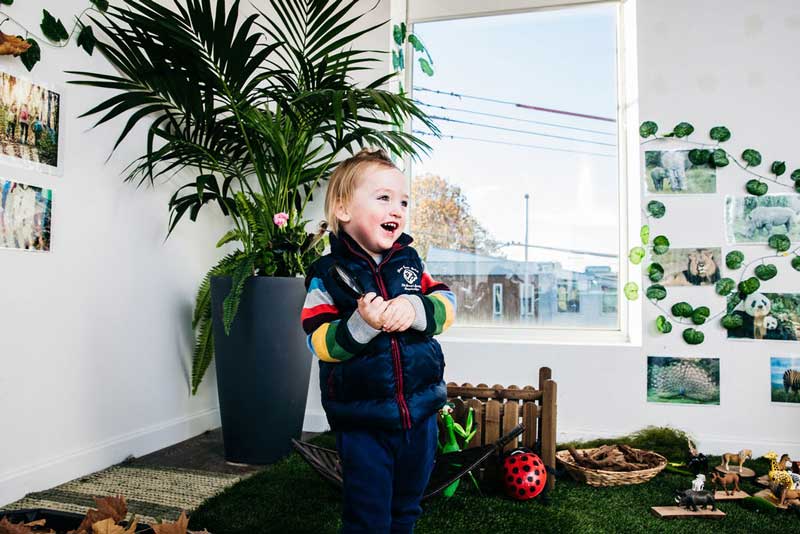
711,62
95,351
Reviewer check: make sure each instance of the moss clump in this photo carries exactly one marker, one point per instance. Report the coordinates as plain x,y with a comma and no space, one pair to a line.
759,505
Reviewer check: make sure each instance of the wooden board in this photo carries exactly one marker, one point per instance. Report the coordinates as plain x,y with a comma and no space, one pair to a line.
768,495
720,495
678,512
746,471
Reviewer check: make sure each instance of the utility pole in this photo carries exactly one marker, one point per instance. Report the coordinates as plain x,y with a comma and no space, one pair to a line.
525,302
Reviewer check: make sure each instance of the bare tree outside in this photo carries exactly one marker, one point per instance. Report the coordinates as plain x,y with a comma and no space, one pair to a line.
441,217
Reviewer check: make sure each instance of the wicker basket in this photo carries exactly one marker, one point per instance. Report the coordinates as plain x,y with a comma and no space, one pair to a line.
601,478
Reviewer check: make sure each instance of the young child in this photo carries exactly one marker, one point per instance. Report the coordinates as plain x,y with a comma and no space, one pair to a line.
380,368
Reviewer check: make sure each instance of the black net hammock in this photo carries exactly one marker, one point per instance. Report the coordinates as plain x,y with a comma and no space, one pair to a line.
447,468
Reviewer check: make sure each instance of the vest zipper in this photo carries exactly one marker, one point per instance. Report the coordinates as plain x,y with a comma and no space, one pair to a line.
396,361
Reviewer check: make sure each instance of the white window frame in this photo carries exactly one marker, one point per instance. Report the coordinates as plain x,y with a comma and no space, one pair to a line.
629,325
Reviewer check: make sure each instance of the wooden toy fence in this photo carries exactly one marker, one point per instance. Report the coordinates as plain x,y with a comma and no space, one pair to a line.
499,409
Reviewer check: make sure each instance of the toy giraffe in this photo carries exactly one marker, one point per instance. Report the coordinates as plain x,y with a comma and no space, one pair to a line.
777,474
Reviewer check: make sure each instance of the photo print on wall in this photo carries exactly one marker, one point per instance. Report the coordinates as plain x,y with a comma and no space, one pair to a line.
752,219
683,380
691,266
767,316
25,216
29,124
784,375
671,172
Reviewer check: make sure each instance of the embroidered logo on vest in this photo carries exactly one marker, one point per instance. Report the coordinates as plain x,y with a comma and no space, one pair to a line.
410,275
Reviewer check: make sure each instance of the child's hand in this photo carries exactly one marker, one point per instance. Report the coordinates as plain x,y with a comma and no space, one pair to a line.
371,307
398,316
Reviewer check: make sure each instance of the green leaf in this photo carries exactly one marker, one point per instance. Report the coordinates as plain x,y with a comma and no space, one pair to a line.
734,259
656,292
53,29
398,32
795,175
779,242
655,272
416,43
756,187
778,167
425,66
398,61
648,128
663,325
682,309
700,315
7,2
683,129
720,158
731,321
752,157
749,286
101,5
693,337
797,186
644,234
32,55
656,209
766,271
660,244
631,291
635,255
699,156
720,133
796,263
86,39
724,286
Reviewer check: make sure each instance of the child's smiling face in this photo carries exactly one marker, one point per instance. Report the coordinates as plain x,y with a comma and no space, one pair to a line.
376,215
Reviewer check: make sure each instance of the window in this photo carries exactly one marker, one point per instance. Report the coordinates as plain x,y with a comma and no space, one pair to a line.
497,299
521,194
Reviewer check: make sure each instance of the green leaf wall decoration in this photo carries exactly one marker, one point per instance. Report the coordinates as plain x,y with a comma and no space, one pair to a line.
734,259
752,157
660,244
682,309
656,209
720,133
655,272
53,29
656,292
724,286
663,325
648,128
692,336
766,271
756,187
631,290
779,242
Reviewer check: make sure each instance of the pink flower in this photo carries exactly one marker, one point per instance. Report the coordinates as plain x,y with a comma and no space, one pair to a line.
280,219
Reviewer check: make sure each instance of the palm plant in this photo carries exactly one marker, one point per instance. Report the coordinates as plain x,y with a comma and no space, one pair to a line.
260,110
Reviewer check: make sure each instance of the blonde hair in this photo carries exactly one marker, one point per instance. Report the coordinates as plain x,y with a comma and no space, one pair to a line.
344,180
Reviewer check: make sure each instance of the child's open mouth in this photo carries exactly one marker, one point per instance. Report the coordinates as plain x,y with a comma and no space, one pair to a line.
389,227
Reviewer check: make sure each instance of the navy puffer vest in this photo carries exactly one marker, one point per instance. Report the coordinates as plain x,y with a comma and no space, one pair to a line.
397,380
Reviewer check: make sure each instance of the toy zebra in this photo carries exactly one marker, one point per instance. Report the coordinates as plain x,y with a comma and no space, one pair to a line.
791,380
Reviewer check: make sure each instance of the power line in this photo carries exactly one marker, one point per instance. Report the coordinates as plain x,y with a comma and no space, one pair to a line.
517,104
420,132
514,118
572,251
515,130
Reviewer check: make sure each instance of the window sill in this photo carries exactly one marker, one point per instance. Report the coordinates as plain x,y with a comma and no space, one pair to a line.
538,336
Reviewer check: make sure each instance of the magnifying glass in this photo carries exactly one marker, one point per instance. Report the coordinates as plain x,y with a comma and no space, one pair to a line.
347,281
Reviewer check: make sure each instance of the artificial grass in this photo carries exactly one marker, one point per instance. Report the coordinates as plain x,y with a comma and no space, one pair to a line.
289,497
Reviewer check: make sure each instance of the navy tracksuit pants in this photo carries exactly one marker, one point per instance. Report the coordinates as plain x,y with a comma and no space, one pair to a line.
385,473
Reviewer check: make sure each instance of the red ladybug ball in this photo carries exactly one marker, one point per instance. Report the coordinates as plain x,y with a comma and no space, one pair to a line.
524,475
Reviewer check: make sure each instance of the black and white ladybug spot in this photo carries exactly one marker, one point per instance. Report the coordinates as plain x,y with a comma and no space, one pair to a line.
515,470
522,493
519,480
530,479
526,467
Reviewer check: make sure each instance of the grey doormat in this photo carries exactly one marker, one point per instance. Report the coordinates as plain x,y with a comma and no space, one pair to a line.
152,493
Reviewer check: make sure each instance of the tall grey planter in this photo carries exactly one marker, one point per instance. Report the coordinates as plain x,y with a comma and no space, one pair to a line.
263,368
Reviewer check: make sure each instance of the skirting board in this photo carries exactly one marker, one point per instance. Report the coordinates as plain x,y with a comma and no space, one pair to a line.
17,483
